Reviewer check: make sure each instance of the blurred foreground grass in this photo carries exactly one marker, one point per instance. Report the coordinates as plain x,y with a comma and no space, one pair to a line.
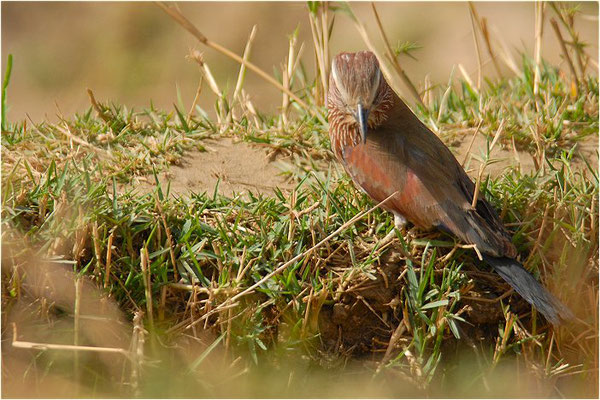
158,285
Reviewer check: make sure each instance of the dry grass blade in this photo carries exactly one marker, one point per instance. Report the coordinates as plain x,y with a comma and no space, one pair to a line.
325,44
170,240
97,107
67,132
468,152
214,86
427,91
246,57
392,343
467,77
320,38
537,244
393,59
187,324
145,261
249,107
137,350
476,40
483,29
51,346
111,237
563,47
486,35
241,77
501,342
568,20
484,165
76,325
506,57
196,100
390,77
212,83
288,70
96,242
443,104
539,31
187,25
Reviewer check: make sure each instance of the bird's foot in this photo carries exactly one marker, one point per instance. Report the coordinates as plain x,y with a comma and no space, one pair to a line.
399,223
388,238
410,234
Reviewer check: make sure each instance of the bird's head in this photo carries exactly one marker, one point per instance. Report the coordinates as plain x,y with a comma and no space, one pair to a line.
358,93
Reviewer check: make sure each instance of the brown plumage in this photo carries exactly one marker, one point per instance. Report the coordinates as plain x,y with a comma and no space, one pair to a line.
385,148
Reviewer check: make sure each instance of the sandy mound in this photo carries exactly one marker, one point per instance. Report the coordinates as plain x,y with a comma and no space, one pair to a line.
237,167
241,167
505,157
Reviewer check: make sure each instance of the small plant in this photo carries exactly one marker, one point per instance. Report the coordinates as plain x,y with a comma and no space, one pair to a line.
5,83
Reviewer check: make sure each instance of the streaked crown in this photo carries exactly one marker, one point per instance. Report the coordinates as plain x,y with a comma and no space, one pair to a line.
356,77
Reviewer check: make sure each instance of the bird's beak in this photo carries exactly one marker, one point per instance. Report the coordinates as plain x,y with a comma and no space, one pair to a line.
363,118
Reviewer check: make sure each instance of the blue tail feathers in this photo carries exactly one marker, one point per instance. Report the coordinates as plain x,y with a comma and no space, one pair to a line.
530,289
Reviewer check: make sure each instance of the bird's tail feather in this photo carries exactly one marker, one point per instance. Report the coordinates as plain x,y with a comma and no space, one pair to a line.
530,289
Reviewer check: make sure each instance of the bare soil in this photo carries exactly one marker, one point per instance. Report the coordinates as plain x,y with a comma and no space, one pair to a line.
363,319
236,166
503,157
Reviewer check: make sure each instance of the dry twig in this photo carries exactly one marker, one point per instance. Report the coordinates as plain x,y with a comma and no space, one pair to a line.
394,60
563,47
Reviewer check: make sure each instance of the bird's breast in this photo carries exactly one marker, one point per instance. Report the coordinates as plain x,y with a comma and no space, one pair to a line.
381,173
343,136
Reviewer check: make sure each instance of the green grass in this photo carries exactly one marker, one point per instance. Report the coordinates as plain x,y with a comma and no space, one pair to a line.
62,201
5,83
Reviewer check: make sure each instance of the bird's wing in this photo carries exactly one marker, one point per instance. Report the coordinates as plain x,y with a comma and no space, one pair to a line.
433,189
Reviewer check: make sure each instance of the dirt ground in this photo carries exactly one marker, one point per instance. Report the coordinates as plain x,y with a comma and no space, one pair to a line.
235,165
505,156
240,167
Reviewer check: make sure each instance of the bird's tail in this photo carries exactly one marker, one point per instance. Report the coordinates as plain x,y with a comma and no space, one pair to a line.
530,289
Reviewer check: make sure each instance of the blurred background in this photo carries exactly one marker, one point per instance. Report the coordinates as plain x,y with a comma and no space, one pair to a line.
133,53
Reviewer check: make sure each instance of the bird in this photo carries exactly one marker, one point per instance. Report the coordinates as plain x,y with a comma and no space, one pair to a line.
389,153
